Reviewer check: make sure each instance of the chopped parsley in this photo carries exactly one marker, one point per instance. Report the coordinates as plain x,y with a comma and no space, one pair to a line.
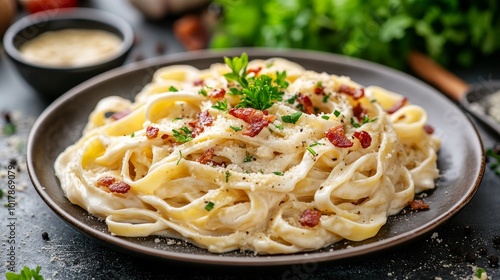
293,118
248,157
310,150
479,272
209,206
278,173
182,136
180,157
228,174
203,92
279,126
316,144
221,106
25,274
365,120
236,128
176,119
173,89
336,113
325,98
325,117
292,99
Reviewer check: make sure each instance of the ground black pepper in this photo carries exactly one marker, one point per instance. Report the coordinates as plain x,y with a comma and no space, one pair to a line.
496,240
493,261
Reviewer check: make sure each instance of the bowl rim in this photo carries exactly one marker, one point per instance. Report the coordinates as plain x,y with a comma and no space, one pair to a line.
79,13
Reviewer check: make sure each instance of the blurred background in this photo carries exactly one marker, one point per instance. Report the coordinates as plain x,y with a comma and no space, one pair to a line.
452,32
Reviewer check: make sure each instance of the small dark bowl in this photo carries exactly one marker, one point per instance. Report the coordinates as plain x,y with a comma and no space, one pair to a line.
52,81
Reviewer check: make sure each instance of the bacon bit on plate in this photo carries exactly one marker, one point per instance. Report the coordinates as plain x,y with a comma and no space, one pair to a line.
105,181
429,129
218,93
310,218
319,90
364,138
152,132
256,119
418,204
306,103
337,137
359,201
358,111
398,105
207,156
204,119
164,136
113,185
199,82
119,187
254,70
356,93
120,115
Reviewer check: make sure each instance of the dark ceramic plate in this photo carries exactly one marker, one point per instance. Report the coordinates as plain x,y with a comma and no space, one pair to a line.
461,158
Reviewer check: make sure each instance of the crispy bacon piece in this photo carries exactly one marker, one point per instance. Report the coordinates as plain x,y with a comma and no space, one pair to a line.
119,187
164,136
429,129
359,112
113,185
254,70
337,137
199,82
204,119
364,138
310,218
218,93
356,93
152,132
398,105
319,90
305,101
207,156
105,181
256,119
359,201
418,204
119,115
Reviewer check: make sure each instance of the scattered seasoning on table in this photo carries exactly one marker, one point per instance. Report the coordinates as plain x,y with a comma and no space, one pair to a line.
9,127
496,241
45,236
470,257
493,261
467,230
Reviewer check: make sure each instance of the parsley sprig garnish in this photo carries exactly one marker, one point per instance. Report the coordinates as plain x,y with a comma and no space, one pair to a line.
25,274
495,165
221,106
256,92
182,135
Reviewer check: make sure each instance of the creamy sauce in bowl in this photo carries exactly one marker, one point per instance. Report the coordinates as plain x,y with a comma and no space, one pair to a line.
71,47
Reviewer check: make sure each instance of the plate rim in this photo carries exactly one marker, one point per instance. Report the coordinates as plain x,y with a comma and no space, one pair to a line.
121,244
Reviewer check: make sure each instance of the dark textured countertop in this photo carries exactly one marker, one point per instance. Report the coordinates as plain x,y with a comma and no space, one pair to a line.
453,251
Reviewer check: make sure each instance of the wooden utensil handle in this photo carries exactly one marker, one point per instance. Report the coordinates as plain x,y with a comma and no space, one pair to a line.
436,75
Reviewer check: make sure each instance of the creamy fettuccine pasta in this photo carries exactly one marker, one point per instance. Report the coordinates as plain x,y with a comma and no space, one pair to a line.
262,155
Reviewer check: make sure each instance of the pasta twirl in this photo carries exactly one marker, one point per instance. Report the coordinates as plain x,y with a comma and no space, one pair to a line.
262,155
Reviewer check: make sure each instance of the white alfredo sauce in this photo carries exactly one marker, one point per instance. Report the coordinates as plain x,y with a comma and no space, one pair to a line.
71,47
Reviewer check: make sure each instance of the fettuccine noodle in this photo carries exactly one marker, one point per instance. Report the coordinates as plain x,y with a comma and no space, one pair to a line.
178,162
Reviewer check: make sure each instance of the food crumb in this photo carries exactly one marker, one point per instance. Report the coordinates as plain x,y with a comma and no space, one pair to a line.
45,236
157,240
